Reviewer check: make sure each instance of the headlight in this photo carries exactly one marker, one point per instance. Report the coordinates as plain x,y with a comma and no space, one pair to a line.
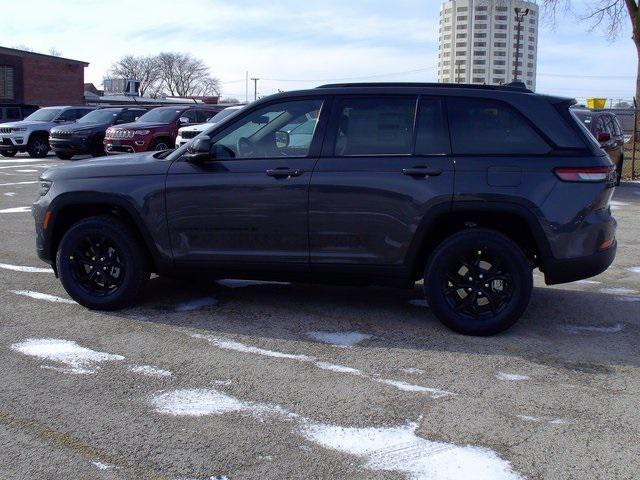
141,132
18,129
45,186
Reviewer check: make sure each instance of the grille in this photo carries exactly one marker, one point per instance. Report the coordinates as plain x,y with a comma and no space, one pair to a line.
121,134
189,134
60,134
5,130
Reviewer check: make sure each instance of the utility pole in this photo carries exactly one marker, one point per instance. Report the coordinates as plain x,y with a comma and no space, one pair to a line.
520,14
255,88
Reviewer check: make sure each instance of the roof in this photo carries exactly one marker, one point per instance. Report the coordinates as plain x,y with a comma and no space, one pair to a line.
514,86
20,53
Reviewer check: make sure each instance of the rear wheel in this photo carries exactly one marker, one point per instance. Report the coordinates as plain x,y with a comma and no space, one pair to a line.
8,153
478,282
102,263
38,146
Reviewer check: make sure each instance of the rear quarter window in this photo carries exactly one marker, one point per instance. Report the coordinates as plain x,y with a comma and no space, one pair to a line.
481,126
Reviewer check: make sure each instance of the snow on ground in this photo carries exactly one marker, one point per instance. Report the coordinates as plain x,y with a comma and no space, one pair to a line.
339,339
618,327
102,466
634,269
409,387
588,282
149,371
513,377
529,418
42,296
399,449
338,368
16,210
10,194
615,205
241,347
78,360
413,371
20,268
239,283
618,291
196,304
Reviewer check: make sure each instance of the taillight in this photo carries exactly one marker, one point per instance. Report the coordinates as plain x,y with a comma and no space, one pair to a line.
583,174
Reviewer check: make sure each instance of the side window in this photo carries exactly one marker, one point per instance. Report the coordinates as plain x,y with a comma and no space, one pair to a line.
375,126
203,115
80,112
598,126
129,116
264,134
192,115
12,113
608,125
490,127
68,115
432,135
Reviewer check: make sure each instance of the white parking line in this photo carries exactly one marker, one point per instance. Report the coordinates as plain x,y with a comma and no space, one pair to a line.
17,183
16,210
21,268
42,296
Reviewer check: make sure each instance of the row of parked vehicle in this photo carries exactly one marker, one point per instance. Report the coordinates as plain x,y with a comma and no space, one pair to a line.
81,130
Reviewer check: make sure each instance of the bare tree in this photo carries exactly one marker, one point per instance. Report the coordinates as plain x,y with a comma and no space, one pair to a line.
607,14
229,100
55,52
145,69
183,75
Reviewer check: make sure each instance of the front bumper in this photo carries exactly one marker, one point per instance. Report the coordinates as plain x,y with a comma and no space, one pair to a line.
570,270
12,143
118,146
76,145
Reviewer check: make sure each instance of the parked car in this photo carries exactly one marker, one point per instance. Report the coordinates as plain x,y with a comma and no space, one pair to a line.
605,127
155,130
467,187
186,134
87,134
32,134
10,112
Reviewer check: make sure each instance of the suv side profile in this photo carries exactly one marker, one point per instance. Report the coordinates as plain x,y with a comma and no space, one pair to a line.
467,187
31,135
156,130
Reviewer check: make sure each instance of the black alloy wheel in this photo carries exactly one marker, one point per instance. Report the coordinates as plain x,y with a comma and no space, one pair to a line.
97,265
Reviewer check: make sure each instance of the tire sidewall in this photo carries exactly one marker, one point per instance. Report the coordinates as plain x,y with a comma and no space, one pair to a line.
31,147
513,259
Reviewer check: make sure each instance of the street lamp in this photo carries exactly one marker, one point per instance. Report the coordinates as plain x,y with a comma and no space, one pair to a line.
520,14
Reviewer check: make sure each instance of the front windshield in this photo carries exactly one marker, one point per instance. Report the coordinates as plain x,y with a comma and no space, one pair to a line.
44,114
161,115
227,112
100,116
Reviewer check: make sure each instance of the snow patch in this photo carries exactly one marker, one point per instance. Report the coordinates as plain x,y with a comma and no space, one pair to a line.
618,291
338,368
16,210
417,302
339,339
634,269
78,360
20,268
239,283
399,449
149,371
42,296
241,347
102,466
514,377
196,304
413,371
618,327
615,205
409,387
9,194
553,421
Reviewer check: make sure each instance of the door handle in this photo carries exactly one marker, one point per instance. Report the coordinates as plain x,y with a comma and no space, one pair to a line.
284,172
422,172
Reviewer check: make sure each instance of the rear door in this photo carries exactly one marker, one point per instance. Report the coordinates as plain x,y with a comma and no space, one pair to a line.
386,163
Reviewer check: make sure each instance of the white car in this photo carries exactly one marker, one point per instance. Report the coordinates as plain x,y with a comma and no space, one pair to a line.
32,134
185,134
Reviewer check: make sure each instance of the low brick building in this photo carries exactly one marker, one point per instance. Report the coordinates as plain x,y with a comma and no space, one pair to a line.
37,79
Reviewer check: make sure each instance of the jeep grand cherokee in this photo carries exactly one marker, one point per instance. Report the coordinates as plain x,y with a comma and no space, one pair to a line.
467,187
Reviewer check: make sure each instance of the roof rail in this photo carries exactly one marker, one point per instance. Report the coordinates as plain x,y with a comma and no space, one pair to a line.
519,86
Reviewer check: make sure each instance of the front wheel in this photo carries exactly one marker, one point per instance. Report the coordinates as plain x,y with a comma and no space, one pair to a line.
478,282
38,146
8,153
160,144
102,263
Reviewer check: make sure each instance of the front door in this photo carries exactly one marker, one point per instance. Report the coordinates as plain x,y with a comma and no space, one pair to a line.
248,204
386,163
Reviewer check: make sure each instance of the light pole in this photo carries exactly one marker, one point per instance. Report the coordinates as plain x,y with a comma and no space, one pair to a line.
520,14
255,88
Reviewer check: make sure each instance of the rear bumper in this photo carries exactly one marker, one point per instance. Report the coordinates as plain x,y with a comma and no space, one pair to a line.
570,270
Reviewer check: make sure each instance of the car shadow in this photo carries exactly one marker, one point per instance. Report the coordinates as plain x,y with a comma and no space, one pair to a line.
574,327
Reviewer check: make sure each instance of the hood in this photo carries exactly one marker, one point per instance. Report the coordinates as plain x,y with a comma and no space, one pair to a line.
80,127
115,166
140,126
27,123
198,128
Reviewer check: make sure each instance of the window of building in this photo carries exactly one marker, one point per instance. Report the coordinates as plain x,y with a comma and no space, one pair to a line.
479,61
481,26
480,17
461,35
479,35
500,44
489,127
498,53
499,62
461,53
502,18
461,44
479,53
479,44
462,9
499,35
480,71
500,26
7,82
498,71
481,8
478,80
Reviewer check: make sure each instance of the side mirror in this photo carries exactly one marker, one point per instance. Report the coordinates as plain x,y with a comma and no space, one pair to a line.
282,139
183,121
604,137
199,150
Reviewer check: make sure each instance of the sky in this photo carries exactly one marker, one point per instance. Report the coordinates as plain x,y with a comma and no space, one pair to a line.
302,44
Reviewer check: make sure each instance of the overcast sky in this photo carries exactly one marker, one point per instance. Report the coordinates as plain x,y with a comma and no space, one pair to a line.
299,44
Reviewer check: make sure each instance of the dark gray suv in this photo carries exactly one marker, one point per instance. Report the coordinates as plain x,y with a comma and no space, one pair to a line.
467,187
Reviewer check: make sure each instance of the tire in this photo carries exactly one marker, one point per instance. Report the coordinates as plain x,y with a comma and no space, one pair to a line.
38,146
619,171
492,302
8,153
89,279
160,144
64,156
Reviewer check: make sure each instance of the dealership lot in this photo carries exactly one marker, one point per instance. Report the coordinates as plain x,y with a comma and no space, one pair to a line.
268,380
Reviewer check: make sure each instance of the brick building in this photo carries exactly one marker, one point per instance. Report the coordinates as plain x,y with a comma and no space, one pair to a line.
37,79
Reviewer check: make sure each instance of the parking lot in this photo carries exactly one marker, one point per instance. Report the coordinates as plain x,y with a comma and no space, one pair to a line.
236,379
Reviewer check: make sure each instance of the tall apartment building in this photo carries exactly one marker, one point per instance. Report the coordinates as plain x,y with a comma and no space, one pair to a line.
478,42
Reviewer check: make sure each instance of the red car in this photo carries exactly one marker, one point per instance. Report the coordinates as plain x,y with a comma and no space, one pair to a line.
155,130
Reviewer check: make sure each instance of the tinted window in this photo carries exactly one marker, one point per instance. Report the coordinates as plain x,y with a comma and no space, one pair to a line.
432,136
489,127
100,116
12,113
161,115
129,116
375,126
203,115
68,115
44,114
192,115
261,135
